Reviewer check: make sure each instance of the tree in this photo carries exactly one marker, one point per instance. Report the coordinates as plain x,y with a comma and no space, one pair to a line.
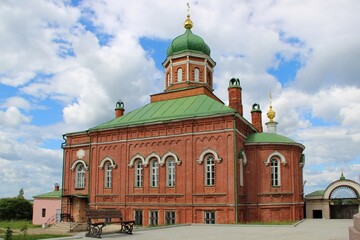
21,193
15,209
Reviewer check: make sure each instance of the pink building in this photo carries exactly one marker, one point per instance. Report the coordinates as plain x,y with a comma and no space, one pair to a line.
47,207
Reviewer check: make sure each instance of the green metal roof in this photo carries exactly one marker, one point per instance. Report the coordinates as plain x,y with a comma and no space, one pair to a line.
53,194
318,193
268,138
174,109
188,42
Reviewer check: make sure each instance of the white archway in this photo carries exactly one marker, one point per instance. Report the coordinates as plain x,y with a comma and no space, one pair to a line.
107,159
153,155
275,154
135,157
170,154
200,160
347,183
73,166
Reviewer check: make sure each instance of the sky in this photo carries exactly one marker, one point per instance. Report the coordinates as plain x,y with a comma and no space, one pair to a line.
64,65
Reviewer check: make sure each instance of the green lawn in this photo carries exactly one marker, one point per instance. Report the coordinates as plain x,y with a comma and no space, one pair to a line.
33,237
17,224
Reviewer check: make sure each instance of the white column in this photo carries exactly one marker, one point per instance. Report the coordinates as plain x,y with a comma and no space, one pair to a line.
187,69
205,71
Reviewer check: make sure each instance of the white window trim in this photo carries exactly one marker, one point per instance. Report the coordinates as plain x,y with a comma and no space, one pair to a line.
141,175
108,174
73,166
168,172
278,155
170,154
212,172
80,184
196,74
107,159
278,173
134,158
154,172
217,159
243,158
153,155
179,70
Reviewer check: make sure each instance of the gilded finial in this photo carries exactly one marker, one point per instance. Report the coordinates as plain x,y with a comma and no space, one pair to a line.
271,113
188,23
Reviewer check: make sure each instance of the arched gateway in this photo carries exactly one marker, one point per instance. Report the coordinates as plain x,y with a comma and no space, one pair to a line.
340,200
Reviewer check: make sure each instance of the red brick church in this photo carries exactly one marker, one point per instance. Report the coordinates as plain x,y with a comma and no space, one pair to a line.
185,157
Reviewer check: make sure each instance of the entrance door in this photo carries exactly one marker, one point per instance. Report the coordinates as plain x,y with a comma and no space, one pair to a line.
58,215
317,214
343,211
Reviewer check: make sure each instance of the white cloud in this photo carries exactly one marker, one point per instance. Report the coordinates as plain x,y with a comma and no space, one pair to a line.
13,117
17,102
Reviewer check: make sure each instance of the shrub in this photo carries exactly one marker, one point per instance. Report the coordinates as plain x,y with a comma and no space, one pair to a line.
15,209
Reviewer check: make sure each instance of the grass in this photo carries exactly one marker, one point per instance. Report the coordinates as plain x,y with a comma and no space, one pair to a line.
34,236
17,224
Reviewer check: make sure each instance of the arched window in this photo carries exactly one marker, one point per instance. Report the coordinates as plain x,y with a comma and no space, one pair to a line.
108,174
154,173
196,75
209,170
170,172
275,172
80,176
138,173
179,74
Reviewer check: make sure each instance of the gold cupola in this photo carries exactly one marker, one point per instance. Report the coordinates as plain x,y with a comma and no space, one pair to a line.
271,113
188,24
271,125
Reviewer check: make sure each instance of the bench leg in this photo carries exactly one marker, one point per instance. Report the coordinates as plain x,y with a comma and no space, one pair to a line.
94,231
126,228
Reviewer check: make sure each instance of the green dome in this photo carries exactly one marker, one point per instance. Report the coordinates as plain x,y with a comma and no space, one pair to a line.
188,42
268,138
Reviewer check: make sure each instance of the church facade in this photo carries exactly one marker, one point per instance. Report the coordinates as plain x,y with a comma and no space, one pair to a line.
185,157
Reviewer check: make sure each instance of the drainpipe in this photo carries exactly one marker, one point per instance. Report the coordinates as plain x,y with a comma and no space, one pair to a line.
235,173
63,171
88,197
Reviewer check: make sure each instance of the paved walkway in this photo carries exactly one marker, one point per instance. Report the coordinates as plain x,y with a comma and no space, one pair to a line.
309,229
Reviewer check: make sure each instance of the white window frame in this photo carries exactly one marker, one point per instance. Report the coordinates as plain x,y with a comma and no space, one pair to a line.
80,176
179,74
154,217
170,217
138,217
139,168
210,217
209,170
275,172
196,74
170,172
154,173
108,174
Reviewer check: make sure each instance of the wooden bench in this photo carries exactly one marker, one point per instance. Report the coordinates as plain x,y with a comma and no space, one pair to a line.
99,218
